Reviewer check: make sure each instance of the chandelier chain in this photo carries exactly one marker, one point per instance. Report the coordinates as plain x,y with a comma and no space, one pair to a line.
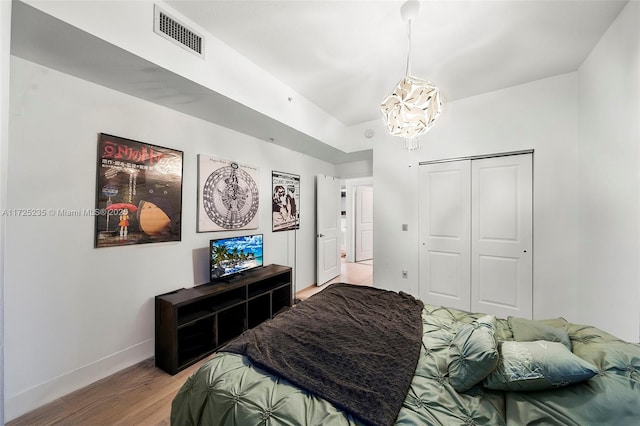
408,70
413,106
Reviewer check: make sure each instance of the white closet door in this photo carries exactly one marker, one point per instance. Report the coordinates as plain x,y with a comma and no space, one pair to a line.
501,241
445,234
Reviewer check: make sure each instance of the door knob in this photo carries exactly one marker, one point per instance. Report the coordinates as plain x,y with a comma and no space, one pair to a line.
320,235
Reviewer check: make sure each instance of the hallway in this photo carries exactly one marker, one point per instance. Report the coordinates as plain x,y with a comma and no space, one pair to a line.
352,273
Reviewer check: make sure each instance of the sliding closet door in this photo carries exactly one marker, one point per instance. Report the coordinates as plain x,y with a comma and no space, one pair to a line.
445,220
501,241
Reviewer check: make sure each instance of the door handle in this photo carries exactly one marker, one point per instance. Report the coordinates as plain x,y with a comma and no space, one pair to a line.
320,235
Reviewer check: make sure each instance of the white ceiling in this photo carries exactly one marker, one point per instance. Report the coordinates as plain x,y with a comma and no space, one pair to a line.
342,55
345,56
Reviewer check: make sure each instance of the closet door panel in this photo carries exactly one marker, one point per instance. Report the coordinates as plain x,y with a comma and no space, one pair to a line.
501,237
497,275
444,234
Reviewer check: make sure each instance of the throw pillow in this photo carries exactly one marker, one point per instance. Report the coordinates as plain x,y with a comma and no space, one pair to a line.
530,366
473,353
525,330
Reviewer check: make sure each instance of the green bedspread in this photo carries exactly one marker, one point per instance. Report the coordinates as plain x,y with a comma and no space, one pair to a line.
229,390
362,363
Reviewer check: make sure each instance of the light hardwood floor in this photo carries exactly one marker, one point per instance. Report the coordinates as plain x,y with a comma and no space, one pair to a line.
353,273
142,394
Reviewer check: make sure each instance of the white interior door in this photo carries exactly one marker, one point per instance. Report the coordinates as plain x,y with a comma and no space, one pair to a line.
445,221
327,228
502,236
364,223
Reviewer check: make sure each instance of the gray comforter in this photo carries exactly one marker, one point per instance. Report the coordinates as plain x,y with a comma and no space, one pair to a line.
357,347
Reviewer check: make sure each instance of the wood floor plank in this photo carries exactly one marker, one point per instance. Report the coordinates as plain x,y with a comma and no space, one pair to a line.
141,393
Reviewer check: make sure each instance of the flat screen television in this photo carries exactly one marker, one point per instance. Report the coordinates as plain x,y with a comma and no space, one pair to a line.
234,255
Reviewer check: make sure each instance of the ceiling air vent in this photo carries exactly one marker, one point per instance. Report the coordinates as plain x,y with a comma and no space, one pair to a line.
171,29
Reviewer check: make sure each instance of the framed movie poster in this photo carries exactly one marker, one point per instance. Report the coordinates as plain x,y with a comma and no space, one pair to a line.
228,196
138,193
285,201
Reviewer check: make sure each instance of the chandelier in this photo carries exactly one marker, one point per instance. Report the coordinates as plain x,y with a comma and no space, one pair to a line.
413,106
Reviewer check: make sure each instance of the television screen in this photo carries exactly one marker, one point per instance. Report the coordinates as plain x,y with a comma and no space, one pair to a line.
234,255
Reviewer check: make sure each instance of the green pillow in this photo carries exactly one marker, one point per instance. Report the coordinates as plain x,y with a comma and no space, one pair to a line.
530,366
525,330
473,353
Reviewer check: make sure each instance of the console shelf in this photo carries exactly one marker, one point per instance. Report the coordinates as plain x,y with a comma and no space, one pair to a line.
192,323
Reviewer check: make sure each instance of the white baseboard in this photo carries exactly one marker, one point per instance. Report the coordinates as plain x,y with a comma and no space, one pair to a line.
37,396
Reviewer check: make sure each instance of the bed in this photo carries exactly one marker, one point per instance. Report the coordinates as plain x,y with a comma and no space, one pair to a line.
353,355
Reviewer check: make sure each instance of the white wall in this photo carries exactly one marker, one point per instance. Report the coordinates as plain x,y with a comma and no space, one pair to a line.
585,130
609,191
75,313
5,44
223,70
540,115
353,170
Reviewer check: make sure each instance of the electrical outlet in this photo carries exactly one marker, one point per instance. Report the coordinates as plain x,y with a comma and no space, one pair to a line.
405,273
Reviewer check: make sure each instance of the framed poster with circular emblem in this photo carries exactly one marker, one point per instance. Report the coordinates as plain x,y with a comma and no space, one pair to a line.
228,197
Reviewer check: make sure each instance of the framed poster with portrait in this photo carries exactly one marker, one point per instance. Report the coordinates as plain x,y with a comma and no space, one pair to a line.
138,193
228,197
285,201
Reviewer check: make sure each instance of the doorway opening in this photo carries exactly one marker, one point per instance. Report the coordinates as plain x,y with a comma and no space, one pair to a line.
344,222
357,222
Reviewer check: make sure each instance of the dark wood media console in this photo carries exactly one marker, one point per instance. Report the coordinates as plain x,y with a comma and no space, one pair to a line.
191,323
